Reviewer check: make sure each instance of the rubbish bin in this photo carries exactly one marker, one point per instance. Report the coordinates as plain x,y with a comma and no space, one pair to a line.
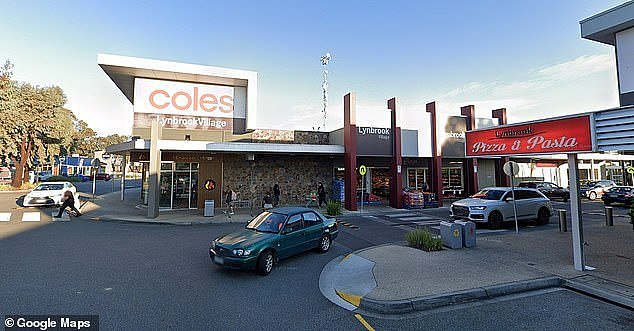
468,233
209,208
451,234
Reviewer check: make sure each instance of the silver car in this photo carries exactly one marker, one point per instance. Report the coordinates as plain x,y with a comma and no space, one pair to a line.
494,205
595,190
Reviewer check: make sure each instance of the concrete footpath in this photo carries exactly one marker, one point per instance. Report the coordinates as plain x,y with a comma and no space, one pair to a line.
394,279
110,208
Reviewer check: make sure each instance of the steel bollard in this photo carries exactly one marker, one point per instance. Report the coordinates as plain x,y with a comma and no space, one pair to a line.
609,218
563,226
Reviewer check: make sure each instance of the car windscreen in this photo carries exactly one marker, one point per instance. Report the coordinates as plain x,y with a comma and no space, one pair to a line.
489,194
49,187
267,222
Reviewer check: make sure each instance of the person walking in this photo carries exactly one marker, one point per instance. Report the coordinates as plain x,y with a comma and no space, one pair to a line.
276,195
68,200
230,197
321,194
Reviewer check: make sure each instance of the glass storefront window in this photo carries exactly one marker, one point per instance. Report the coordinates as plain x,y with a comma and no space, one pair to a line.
182,166
452,183
178,185
417,178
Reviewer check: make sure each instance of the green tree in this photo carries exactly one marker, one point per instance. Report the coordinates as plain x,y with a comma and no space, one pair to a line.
33,123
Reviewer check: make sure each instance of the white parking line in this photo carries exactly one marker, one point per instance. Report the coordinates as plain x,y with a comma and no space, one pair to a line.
436,222
31,217
415,218
5,217
399,215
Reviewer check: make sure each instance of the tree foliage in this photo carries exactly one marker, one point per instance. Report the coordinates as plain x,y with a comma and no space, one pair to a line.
35,126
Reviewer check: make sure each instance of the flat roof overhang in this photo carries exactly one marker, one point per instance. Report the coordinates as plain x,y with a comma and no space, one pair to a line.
603,26
232,147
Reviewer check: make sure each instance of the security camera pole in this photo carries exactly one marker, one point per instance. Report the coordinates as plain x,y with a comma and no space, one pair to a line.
324,87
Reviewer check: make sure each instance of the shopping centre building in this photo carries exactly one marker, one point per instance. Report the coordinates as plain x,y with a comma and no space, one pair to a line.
206,140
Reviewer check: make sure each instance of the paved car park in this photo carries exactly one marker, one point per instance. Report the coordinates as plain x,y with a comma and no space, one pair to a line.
140,276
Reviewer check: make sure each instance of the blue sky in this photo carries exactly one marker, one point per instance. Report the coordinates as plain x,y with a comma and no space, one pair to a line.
527,56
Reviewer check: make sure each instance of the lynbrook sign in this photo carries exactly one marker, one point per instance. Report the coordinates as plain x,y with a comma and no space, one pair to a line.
565,135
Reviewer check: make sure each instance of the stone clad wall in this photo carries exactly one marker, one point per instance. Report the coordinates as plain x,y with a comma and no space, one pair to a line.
296,175
311,137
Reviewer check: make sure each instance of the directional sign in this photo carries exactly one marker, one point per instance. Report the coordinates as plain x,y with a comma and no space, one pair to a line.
363,170
630,170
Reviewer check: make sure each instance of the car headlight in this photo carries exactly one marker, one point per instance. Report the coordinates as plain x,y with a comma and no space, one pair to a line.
213,244
477,207
241,252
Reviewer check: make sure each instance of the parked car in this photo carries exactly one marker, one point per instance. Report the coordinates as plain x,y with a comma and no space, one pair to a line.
619,194
494,206
596,189
550,190
101,176
274,235
48,193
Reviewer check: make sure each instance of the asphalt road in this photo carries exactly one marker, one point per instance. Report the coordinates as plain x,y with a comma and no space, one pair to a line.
159,276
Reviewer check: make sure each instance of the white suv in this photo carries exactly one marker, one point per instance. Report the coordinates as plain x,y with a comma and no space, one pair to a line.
494,205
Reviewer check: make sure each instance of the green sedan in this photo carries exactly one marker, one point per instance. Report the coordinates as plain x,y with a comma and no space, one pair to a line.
274,235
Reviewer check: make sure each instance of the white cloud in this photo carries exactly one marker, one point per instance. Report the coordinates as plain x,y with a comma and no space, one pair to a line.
583,84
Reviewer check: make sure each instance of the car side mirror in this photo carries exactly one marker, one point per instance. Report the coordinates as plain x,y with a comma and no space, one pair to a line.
286,230
507,199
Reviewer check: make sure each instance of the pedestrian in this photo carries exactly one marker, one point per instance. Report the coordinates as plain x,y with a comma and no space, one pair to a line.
230,197
276,195
321,194
267,202
68,200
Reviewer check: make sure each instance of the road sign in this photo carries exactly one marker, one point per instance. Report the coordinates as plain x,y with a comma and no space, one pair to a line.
511,168
95,163
363,170
630,170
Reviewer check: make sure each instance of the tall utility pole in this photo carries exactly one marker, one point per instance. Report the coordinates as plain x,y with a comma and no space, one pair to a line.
324,87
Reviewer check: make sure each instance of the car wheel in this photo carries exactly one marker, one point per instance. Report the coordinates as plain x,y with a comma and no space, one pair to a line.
324,244
265,263
496,220
592,195
543,216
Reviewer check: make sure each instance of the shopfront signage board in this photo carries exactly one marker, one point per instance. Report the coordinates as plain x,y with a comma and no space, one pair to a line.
373,141
564,135
193,106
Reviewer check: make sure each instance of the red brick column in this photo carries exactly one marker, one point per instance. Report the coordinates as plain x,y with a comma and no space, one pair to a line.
471,176
350,147
396,180
436,166
501,179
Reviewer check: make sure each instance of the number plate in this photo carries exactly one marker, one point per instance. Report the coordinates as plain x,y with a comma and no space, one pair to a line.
219,259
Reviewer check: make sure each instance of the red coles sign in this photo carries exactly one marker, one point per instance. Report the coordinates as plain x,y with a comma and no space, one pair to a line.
555,136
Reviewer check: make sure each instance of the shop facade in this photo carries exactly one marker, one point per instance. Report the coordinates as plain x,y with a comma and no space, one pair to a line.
196,136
